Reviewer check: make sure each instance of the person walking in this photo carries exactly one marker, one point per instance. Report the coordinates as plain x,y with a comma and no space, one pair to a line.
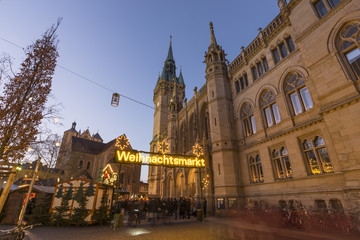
204,207
188,207
175,207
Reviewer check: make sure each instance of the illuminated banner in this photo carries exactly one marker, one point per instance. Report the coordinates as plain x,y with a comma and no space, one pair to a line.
156,159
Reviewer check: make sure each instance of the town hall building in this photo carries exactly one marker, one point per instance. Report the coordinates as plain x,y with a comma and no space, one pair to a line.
279,123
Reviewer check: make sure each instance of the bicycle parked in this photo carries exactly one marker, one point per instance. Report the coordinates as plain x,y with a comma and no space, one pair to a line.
16,233
134,218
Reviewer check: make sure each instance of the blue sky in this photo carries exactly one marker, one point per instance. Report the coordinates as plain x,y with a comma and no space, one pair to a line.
122,45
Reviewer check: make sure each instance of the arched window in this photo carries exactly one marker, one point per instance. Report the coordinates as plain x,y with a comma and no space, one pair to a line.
81,164
349,45
88,166
269,108
317,156
256,171
237,86
248,119
282,164
242,86
246,79
298,94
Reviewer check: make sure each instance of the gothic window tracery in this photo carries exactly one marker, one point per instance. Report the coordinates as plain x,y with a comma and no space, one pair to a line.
248,119
281,163
317,156
256,171
349,46
298,94
269,108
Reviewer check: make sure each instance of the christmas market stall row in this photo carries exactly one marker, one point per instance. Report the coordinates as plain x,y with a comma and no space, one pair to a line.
82,198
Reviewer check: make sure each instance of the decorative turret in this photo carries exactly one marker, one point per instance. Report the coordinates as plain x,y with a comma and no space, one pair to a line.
213,42
181,79
284,10
282,4
224,156
73,126
215,53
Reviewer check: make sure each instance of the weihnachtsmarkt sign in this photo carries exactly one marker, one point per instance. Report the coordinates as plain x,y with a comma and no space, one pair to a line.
158,159
168,160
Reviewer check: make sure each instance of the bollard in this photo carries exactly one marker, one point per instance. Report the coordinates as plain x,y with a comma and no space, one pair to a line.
199,215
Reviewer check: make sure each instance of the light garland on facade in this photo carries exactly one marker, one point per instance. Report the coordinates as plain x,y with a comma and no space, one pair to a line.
198,150
205,181
164,147
122,142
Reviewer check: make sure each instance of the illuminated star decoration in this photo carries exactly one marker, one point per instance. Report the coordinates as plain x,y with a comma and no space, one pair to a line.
198,150
122,142
164,147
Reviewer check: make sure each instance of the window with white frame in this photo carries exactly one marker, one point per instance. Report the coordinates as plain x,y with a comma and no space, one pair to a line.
269,108
317,156
281,163
349,46
298,93
256,171
248,119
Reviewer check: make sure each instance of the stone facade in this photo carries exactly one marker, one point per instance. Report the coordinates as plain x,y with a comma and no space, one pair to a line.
278,123
83,155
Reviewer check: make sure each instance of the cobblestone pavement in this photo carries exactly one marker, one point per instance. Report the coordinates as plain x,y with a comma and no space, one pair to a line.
211,229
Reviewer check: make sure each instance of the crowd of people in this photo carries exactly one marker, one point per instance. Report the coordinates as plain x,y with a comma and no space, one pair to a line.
156,208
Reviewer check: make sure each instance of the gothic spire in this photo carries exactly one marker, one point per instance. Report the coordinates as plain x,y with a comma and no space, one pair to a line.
215,52
212,35
170,52
181,78
169,70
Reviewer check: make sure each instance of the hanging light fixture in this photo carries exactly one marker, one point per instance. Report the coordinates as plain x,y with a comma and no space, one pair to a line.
115,99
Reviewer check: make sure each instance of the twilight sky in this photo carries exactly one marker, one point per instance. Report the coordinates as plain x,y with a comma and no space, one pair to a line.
122,45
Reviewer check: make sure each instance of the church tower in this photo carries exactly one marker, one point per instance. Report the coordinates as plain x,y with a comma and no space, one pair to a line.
175,105
223,149
65,146
169,94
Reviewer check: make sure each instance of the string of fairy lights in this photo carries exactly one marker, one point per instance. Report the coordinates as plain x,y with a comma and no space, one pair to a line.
100,85
123,141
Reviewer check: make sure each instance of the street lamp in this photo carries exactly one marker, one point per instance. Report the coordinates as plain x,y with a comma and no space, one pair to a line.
115,99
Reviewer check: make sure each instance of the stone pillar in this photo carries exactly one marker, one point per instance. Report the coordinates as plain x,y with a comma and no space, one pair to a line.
197,183
182,185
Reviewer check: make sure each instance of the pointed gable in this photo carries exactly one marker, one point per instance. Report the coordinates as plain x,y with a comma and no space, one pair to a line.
86,134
